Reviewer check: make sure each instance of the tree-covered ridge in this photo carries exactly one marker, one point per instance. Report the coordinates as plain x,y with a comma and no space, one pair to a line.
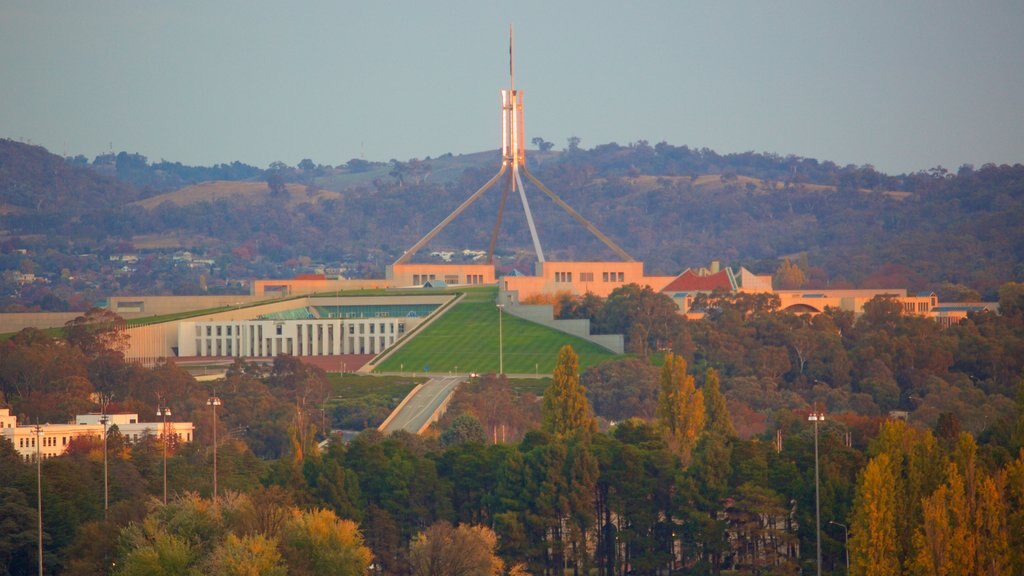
673,207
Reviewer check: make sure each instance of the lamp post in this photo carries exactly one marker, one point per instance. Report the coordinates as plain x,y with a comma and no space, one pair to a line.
213,402
104,419
39,490
501,344
846,542
816,416
165,412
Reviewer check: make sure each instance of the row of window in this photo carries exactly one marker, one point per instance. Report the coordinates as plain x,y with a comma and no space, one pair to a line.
589,277
420,279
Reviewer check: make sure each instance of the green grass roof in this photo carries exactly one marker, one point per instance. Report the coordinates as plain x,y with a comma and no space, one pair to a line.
465,339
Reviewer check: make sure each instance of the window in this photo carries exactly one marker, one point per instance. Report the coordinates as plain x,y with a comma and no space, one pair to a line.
218,331
451,279
586,276
622,277
604,277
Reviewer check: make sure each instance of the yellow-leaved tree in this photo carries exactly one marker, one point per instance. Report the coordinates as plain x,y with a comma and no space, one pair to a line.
680,406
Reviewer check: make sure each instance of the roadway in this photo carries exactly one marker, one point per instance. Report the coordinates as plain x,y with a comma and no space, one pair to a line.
420,409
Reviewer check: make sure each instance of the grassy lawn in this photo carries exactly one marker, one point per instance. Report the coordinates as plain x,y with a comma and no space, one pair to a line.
466,340
359,402
353,386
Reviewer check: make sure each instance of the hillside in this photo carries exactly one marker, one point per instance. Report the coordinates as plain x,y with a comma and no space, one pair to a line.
672,207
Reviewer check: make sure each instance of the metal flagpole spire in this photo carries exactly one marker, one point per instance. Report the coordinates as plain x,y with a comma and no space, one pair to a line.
513,165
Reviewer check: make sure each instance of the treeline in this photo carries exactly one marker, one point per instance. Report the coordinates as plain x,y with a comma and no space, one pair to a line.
671,206
770,360
681,490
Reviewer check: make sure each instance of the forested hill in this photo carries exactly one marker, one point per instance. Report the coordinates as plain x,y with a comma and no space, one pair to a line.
34,181
671,206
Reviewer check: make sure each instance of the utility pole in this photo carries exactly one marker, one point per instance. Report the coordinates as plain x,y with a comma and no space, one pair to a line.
165,412
39,490
816,417
213,402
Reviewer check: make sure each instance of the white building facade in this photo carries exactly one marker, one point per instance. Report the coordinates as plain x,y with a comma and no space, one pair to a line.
308,337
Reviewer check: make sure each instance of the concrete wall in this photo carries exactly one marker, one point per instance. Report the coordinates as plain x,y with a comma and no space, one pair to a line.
132,307
544,315
17,321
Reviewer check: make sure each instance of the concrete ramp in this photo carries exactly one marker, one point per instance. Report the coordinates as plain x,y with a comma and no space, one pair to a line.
423,406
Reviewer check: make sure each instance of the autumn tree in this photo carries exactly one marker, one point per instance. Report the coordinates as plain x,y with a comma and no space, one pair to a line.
566,410
445,550
873,545
318,542
789,276
680,406
717,419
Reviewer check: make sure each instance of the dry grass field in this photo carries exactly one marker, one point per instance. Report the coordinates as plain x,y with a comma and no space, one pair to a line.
250,192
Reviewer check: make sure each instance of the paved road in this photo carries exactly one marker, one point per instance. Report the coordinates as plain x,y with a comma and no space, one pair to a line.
417,412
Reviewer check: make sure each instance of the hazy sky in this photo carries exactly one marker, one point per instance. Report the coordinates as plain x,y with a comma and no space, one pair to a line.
904,85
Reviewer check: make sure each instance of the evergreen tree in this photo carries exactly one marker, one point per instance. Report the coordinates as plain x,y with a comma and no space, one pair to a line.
566,409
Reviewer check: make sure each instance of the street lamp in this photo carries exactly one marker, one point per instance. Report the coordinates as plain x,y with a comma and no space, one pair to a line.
846,542
816,416
165,412
501,344
104,419
213,402
39,490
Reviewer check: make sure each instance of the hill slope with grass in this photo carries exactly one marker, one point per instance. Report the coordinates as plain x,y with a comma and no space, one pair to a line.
466,339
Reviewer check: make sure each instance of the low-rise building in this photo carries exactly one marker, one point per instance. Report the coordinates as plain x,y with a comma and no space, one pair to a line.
53,439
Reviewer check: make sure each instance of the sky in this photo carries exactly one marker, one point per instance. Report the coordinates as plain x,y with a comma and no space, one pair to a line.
903,86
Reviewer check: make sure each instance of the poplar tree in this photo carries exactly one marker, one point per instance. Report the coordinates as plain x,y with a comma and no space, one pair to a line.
566,409
873,542
717,413
680,406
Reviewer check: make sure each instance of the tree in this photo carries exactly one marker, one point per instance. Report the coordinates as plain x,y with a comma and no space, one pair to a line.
542,144
873,544
789,276
647,318
717,420
464,428
621,389
317,542
680,406
249,555
96,332
566,410
442,550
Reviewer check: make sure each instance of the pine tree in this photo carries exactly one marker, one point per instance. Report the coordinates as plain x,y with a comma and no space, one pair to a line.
680,406
566,409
